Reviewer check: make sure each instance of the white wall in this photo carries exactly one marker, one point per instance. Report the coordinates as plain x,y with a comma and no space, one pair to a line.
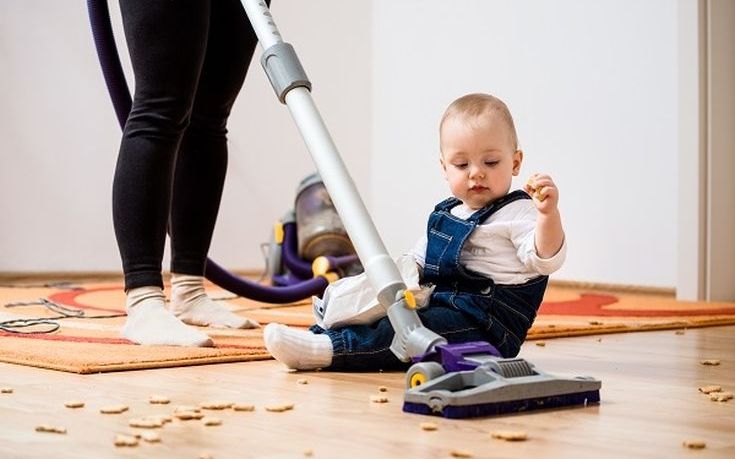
593,89
59,137
592,86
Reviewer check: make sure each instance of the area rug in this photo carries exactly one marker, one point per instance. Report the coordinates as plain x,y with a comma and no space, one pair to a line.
82,333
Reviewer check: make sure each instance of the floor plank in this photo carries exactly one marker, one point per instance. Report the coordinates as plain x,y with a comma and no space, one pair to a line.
650,404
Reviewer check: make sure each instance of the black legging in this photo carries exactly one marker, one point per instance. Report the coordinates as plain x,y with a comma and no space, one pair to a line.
189,59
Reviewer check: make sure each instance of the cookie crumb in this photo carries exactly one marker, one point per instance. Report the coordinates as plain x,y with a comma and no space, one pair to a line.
302,381
378,399
125,440
509,435
711,362
74,404
540,343
6,390
50,429
460,453
694,444
159,400
710,389
243,407
114,409
430,426
279,408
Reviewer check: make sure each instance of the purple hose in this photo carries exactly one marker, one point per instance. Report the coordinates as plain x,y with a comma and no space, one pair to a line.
99,18
290,255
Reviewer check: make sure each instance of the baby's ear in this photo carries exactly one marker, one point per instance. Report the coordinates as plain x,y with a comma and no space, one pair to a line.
517,160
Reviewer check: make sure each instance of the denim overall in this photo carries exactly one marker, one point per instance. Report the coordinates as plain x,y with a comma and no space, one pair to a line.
464,306
505,312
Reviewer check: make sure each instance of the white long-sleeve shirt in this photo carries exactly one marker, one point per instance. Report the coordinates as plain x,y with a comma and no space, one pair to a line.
503,248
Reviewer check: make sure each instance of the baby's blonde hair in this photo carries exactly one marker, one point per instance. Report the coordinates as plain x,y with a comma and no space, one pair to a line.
472,106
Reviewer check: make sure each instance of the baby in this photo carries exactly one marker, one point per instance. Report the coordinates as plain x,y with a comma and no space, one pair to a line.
487,251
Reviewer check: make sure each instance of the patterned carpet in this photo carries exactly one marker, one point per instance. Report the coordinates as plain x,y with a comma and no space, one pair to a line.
82,333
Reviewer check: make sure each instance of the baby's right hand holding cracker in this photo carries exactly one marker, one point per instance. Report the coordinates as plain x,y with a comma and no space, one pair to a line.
543,191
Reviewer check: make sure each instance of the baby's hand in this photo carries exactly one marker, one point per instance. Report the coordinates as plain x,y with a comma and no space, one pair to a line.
543,191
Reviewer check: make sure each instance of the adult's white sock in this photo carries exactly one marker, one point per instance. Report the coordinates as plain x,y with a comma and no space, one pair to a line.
149,322
191,304
298,349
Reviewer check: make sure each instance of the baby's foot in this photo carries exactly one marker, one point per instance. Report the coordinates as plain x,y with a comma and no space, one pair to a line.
149,322
298,349
191,304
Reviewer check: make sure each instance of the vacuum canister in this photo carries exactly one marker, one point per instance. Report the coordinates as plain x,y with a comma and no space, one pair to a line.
319,229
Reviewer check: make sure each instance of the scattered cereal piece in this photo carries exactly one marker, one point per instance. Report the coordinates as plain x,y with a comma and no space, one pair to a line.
710,362
460,453
541,343
302,381
243,407
114,409
125,440
679,332
216,405
150,436
429,426
146,423
599,340
6,390
509,435
74,404
211,421
720,396
187,408
50,429
378,399
709,389
188,415
159,400
595,322
694,444
279,408
383,389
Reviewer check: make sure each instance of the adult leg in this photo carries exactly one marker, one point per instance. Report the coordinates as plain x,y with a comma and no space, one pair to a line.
202,163
166,41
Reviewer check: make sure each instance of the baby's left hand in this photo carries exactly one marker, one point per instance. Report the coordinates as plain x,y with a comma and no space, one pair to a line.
543,191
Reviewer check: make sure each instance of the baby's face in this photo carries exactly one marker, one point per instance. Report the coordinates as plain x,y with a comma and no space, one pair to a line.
479,159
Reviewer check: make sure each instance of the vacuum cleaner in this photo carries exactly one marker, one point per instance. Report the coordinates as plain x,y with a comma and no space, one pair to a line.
476,380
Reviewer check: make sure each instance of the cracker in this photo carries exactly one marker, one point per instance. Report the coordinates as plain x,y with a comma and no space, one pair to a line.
159,400
711,362
146,422
694,444
429,426
509,435
216,405
279,408
50,429
211,421
126,440
188,415
379,399
720,396
150,436
74,404
710,389
114,409
243,407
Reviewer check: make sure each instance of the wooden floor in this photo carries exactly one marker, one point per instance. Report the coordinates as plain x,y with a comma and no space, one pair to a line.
650,404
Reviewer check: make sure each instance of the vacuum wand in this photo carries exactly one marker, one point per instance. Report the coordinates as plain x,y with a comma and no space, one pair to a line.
292,87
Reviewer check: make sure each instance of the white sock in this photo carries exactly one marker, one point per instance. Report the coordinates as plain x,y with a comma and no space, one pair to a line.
149,322
191,304
298,349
